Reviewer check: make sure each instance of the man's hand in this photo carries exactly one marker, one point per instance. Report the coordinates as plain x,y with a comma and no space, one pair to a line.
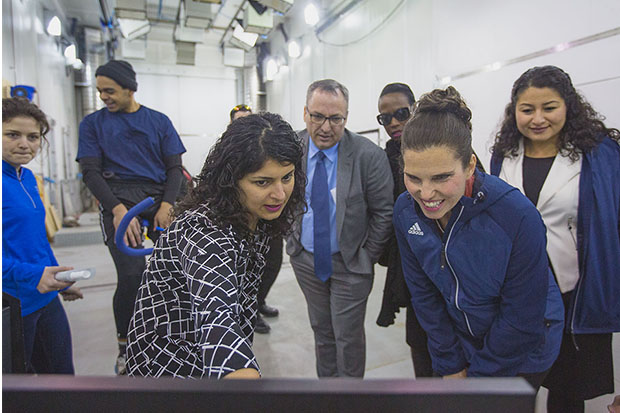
133,235
72,293
48,283
460,375
163,218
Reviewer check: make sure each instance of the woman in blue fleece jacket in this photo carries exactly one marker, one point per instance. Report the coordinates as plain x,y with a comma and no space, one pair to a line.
28,263
554,147
473,254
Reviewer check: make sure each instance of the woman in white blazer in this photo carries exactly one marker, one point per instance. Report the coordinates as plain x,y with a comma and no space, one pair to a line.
555,148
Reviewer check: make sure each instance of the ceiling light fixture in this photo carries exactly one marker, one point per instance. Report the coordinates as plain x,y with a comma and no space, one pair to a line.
54,27
311,15
294,50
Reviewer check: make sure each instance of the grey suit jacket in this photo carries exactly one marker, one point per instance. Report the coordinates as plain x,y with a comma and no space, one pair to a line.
364,202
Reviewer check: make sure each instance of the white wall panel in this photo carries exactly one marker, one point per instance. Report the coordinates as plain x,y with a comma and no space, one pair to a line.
199,108
426,40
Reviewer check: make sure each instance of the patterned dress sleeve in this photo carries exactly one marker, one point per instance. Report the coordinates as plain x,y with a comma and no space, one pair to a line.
215,271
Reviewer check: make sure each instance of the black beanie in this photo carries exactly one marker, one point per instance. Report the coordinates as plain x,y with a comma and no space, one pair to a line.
119,71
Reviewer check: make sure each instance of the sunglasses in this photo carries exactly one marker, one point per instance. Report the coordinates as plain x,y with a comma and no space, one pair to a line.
401,115
244,108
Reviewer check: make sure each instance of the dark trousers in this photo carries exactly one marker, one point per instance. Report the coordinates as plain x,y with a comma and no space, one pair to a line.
47,340
417,341
273,262
128,268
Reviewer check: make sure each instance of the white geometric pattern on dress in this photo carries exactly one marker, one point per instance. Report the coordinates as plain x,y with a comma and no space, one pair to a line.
196,307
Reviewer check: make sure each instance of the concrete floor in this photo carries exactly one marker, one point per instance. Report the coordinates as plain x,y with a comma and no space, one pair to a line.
287,351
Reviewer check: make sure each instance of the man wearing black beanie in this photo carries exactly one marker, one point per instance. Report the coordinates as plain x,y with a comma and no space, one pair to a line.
128,152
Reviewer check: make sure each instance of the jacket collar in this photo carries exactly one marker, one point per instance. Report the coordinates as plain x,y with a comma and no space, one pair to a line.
562,171
8,169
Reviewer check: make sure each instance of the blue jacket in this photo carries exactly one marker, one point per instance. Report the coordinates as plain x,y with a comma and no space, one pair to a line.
25,248
483,292
595,306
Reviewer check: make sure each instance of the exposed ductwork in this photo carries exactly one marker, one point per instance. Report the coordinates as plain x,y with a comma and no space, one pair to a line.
92,47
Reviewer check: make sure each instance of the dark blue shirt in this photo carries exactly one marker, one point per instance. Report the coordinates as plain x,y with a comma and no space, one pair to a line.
131,145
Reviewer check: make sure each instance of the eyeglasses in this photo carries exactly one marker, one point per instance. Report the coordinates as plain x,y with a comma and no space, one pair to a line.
401,115
319,119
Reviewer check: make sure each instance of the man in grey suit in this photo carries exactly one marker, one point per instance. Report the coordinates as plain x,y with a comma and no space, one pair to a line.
336,243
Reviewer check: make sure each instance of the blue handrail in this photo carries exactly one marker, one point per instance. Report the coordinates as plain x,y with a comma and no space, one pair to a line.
119,238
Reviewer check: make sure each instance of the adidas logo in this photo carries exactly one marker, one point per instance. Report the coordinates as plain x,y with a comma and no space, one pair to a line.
416,230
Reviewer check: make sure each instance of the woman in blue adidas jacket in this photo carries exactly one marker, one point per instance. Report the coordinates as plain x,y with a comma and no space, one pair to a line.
28,263
553,146
473,254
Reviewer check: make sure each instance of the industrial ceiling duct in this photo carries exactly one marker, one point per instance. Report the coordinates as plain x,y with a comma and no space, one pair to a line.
278,5
254,22
130,9
162,10
198,14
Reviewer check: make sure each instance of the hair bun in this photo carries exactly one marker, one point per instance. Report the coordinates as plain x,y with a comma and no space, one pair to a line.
445,101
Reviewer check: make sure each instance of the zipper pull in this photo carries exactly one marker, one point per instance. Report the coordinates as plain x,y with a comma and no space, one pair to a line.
443,258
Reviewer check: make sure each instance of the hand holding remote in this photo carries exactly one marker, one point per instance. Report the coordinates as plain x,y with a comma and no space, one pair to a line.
75,275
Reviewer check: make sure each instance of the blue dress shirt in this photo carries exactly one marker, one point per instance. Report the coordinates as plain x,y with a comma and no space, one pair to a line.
307,224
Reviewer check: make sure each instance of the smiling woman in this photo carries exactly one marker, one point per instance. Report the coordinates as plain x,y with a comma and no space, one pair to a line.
473,254
197,306
554,147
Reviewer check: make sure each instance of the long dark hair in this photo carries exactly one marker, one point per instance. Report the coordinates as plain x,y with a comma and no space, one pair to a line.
244,148
584,128
440,118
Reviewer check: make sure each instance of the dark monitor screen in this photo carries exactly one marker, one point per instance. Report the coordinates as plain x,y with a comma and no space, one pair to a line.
122,394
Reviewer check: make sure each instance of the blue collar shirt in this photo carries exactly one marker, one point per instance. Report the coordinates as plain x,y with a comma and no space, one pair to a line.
331,166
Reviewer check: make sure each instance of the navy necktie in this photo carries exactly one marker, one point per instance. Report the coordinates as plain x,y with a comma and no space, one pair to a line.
319,201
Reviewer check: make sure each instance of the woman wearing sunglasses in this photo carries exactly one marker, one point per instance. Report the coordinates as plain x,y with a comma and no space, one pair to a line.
395,105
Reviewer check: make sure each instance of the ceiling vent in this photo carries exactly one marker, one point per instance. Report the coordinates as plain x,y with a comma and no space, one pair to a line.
198,14
186,53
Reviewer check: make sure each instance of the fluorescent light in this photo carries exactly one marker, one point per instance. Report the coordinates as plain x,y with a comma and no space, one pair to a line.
78,64
294,50
54,28
70,54
311,14
271,69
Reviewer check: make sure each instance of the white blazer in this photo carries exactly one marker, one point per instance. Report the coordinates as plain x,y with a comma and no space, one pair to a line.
558,204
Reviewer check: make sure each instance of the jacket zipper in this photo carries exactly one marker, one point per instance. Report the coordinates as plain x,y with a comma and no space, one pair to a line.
445,257
19,178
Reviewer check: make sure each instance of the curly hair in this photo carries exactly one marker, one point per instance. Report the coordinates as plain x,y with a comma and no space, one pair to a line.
21,107
583,130
440,118
245,146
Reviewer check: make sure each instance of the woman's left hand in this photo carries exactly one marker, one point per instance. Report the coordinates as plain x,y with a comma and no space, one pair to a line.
72,293
162,217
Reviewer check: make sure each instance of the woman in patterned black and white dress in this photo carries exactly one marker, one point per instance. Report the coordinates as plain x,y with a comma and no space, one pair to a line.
196,307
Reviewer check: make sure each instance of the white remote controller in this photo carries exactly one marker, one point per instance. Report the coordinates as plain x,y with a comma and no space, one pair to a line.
75,275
